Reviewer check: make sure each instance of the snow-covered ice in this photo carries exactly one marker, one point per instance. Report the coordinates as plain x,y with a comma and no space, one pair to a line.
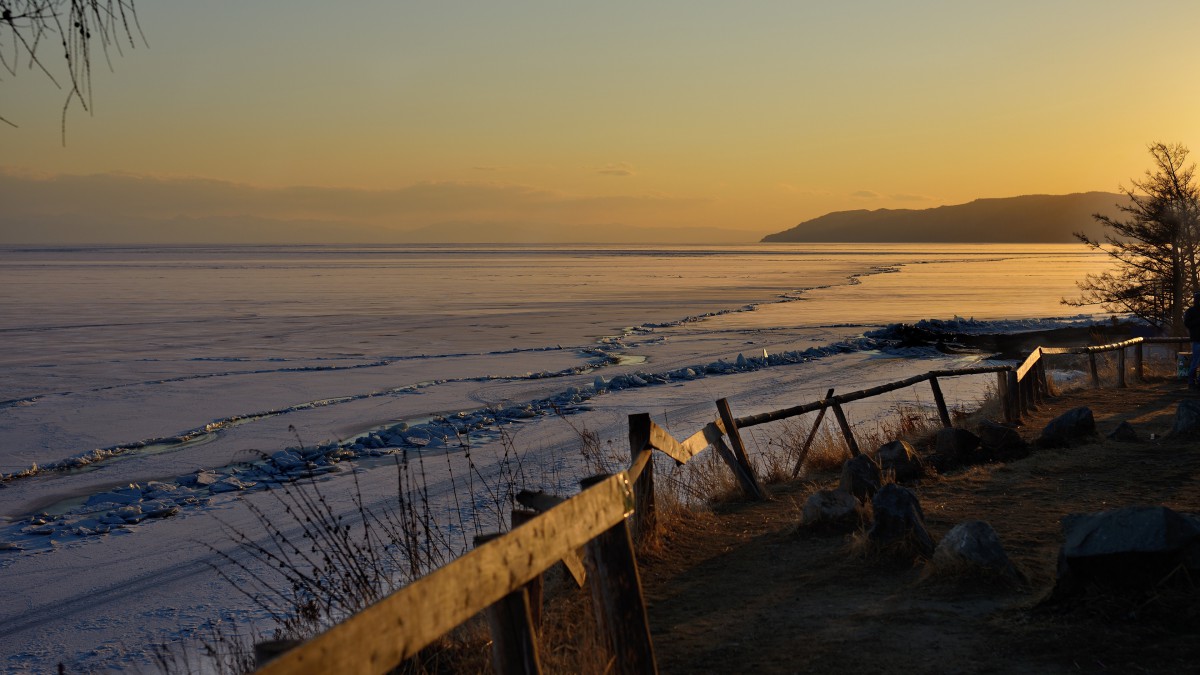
144,386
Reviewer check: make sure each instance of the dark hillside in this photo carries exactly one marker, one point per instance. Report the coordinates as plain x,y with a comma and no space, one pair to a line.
1030,218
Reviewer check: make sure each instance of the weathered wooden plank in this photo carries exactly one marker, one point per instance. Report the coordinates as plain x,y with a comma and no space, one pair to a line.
1029,363
542,502
399,625
664,442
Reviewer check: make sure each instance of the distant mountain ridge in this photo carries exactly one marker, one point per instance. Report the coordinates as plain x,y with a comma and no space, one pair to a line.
1043,219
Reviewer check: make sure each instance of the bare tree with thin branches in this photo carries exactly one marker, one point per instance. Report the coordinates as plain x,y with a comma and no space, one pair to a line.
1155,245
57,38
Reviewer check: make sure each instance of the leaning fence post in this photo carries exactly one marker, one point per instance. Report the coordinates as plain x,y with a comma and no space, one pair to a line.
643,521
940,401
1095,373
1043,382
846,431
1138,357
812,433
735,438
514,640
617,597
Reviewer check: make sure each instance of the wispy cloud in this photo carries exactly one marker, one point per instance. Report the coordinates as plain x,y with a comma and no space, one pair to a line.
618,169
865,194
903,197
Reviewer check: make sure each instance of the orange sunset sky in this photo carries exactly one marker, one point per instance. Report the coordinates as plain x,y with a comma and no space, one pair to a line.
366,120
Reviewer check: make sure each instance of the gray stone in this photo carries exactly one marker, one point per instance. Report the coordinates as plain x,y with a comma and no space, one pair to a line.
976,544
899,519
860,477
1001,443
1136,546
1187,418
955,447
901,459
832,509
1074,426
1124,433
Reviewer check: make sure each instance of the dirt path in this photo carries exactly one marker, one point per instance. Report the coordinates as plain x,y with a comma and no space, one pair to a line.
746,590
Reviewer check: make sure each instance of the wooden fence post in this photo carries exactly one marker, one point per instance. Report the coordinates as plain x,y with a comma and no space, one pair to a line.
1043,382
1002,394
617,597
846,431
812,433
1138,358
1095,373
514,640
1014,396
940,401
533,589
644,520
1121,368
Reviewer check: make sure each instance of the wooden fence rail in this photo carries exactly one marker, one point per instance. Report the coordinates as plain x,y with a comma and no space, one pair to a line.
605,520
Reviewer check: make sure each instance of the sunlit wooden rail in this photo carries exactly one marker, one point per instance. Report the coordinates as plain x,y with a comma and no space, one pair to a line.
595,533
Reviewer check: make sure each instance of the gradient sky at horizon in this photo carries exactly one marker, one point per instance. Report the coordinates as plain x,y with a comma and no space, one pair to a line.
752,116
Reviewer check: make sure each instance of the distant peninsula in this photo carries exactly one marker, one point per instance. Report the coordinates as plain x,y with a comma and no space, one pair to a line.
1043,219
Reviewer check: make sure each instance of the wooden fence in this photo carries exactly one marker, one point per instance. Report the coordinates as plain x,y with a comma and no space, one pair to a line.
595,532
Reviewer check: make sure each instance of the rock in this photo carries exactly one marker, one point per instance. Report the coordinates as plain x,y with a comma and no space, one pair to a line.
901,459
832,509
1001,443
1124,433
1187,418
1073,426
160,509
860,477
975,544
955,447
899,520
1133,547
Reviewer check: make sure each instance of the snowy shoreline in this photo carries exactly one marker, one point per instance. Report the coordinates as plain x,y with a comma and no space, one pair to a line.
104,578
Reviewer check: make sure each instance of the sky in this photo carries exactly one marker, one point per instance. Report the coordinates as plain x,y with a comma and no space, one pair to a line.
389,121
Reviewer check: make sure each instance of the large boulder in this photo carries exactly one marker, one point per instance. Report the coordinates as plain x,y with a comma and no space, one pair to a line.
1124,433
899,521
1133,547
833,510
1187,418
1073,426
901,459
860,477
954,447
1001,443
974,544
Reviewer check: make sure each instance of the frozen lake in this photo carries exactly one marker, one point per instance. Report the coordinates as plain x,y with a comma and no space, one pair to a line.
131,365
